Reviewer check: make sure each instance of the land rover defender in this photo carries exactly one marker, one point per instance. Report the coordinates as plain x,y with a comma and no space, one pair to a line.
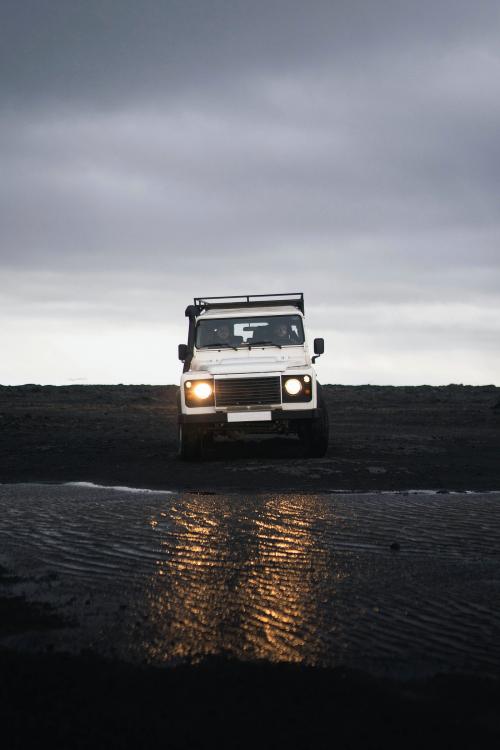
247,367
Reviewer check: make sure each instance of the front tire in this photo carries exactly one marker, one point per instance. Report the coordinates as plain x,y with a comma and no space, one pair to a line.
315,435
190,443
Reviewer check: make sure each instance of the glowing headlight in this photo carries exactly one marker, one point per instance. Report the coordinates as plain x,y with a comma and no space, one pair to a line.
293,386
202,390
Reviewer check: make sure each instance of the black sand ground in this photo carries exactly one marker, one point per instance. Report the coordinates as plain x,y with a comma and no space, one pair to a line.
87,703
382,438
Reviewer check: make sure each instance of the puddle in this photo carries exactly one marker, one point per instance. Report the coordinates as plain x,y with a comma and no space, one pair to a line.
162,577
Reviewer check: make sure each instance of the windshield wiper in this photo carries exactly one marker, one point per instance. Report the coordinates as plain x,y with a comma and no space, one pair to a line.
262,343
221,345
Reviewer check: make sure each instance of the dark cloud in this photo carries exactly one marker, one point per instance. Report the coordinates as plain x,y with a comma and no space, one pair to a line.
121,49
165,149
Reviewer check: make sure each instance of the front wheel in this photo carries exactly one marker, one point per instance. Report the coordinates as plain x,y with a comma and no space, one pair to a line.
314,435
190,442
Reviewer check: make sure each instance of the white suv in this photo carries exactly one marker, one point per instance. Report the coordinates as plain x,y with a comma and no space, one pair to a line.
247,367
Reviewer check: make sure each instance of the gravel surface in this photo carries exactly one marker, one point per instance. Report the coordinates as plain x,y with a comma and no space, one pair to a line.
381,438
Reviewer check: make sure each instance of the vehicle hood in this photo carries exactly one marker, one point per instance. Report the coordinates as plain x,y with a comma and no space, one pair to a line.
254,360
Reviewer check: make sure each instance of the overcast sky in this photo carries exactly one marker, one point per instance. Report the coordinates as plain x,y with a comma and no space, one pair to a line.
156,150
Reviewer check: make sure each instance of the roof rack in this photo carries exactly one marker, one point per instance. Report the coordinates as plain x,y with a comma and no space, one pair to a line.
250,300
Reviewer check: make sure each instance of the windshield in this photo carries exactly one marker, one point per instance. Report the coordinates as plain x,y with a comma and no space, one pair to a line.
272,330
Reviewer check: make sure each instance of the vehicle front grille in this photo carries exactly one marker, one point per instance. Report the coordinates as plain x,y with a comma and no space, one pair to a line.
247,391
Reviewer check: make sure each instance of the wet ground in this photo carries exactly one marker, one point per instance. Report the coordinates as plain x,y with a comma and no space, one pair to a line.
399,584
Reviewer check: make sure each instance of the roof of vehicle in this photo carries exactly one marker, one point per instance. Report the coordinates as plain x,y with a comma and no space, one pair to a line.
248,312
250,300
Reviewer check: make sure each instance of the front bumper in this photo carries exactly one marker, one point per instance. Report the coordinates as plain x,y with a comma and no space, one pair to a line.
220,417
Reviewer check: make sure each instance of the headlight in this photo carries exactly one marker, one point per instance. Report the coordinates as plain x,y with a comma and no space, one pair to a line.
293,386
202,390
296,389
199,393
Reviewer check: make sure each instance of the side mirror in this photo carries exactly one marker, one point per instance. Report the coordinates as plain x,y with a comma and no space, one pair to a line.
319,346
183,352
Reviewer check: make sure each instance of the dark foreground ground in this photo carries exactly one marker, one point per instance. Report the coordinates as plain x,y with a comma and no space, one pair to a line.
62,701
87,703
382,438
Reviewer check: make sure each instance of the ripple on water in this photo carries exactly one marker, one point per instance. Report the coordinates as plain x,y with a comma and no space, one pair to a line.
282,577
